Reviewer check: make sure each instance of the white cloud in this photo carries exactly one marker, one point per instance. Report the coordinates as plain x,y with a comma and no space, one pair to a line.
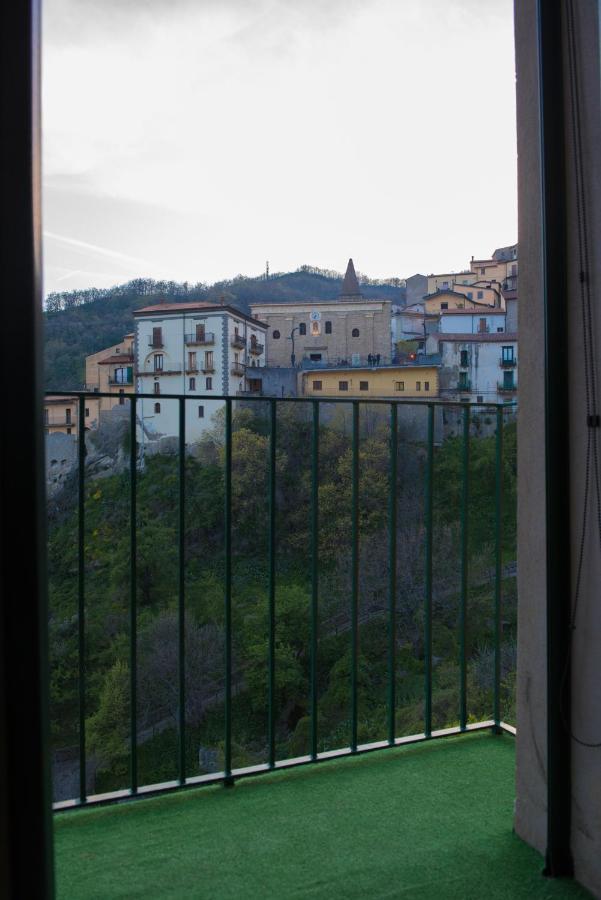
299,132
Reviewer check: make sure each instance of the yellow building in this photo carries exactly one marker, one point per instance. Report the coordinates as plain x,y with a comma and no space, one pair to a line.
448,280
494,269
60,415
400,382
109,371
456,299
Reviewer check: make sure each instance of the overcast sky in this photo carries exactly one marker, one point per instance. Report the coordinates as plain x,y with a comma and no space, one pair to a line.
196,139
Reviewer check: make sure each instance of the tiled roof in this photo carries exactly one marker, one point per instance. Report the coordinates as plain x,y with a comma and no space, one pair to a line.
167,308
499,337
116,358
175,307
471,312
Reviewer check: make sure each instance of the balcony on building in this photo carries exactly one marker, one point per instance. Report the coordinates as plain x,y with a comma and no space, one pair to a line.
255,348
116,380
364,769
506,387
156,343
172,369
200,339
508,362
237,368
238,342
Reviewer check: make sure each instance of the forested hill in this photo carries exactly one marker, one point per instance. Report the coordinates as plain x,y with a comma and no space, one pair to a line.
78,323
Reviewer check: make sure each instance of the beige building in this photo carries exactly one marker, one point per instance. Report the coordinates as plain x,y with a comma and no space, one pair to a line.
348,330
60,414
448,280
455,299
400,382
109,371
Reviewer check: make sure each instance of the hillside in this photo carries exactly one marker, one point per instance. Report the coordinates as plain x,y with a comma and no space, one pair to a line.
81,322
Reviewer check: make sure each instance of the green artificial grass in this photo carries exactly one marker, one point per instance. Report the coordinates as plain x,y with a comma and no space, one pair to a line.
424,821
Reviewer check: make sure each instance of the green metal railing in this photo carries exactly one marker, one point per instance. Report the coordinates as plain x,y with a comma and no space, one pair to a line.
467,414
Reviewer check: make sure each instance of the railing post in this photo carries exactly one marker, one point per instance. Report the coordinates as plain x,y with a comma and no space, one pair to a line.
181,625
271,586
464,568
355,575
81,590
392,580
133,605
428,577
228,781
498,567
314,571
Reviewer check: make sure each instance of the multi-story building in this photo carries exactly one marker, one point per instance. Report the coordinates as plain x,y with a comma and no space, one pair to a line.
109,371
499,271
60,414
447,281
477,367
347,330
199,351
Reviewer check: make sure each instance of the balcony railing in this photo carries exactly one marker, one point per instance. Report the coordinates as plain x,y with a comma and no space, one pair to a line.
59,422
464,385
238,342
204,340
207,368
122,382
508,363
372,595
503,388
172,369
256,349
156,344
237,368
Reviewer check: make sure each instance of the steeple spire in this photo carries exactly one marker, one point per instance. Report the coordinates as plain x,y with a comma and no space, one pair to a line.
350,285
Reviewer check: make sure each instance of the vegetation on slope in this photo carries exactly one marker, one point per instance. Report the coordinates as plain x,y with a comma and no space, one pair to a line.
107,562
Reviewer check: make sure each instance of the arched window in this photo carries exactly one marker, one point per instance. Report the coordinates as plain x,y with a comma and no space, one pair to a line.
157,407
302,328
355,332
276,335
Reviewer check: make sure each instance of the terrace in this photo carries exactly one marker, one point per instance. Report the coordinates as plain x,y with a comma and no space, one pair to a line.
425,821
426,654
557,777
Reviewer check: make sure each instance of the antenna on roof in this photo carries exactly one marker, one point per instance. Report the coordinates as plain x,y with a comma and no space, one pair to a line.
267,271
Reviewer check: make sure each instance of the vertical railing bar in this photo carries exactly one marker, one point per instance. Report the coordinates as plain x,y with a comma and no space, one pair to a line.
133,606
428,577
81,588
181,606
355,575
498,566
228,592
271,586
392,578
314,571
464,569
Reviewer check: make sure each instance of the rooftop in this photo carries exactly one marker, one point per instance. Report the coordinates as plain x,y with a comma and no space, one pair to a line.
167,308
499,337
428,821
116,358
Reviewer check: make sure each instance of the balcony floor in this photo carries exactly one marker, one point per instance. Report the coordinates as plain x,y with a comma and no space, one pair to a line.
424,821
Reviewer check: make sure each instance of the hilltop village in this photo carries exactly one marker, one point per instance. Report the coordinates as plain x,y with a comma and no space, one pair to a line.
453,339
